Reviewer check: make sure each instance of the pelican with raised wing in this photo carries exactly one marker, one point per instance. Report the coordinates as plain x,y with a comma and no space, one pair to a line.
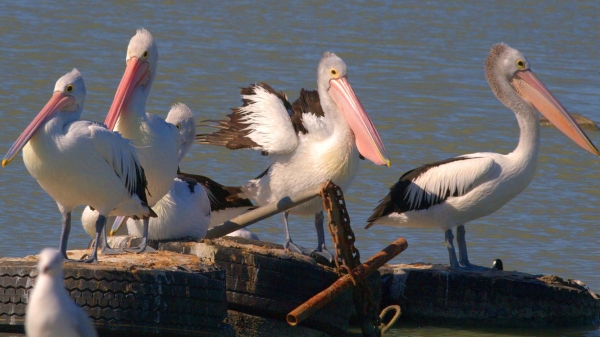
452,192
80,162
319,137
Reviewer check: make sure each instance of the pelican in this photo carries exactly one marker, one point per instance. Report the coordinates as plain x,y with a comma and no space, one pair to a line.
158,142
80,162
320,137
50,309
452,192
186,210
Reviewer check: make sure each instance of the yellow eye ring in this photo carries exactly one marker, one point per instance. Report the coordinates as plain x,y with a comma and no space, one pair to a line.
520,64
70,88
145,55
333,72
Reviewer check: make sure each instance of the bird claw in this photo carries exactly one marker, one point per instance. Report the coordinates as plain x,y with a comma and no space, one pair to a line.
294,248
92,259
322,253
143,247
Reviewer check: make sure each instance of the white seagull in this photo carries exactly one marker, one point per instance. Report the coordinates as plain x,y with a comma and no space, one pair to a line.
80,162
158,142
50,310
452,192
320,137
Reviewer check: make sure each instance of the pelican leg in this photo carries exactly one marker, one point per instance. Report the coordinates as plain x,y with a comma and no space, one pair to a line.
449,238
64,236
143,247
321,249
463,258
106,249
99,228
288,244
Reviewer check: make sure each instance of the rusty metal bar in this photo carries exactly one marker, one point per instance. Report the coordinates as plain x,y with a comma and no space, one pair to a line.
263,212
343,238
343,283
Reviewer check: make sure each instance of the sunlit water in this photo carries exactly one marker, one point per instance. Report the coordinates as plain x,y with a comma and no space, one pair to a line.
417,68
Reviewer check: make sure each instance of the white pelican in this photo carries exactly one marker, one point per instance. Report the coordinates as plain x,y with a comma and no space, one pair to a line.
320,137
81,162
452,192
158,142
50,309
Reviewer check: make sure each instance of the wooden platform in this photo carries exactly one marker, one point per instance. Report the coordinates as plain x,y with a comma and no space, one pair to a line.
188,288
433,293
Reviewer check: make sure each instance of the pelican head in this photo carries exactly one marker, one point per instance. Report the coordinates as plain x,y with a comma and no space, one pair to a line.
142,60
67,101
332,81
506,69
181,116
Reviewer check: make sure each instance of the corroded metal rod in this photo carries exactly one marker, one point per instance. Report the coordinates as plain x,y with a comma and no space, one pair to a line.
343,283
263,212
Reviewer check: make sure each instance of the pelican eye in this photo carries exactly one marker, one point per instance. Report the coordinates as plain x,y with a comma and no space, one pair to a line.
520,64
145,55
178,126
333,72
70,88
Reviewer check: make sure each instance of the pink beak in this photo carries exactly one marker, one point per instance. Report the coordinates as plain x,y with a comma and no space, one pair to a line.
367,139
531,88
136,73
56,103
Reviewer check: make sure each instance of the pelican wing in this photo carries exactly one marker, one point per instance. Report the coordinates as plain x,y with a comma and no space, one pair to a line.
434,183
263,123
122,156
221,197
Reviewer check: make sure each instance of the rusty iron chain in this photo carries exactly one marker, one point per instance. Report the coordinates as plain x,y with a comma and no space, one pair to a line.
345,248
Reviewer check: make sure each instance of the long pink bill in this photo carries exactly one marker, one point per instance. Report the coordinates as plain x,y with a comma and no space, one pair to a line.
56,103
530,87
368,142
136,73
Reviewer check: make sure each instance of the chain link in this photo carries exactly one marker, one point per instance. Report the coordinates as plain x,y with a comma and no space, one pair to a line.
344,247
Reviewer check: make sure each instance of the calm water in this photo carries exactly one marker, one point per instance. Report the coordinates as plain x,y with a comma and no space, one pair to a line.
417,68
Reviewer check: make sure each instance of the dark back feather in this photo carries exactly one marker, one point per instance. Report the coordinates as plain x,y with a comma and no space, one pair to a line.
223,197
397,201
308,102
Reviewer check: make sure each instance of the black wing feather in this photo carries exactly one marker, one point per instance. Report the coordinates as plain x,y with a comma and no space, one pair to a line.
397,201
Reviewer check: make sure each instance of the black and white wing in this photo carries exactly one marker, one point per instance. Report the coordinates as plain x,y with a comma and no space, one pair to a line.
433,184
